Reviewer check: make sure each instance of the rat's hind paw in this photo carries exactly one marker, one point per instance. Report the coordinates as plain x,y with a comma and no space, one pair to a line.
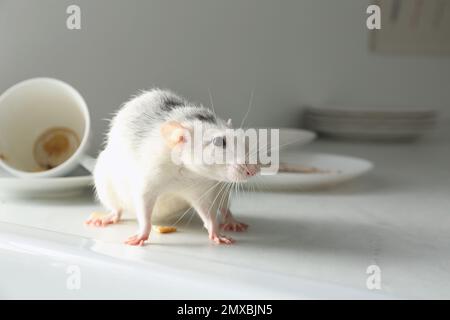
136,240
98,219
221,239
233,225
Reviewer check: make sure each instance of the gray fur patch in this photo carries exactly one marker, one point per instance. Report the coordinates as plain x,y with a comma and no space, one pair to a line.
202,115
158,110
170,102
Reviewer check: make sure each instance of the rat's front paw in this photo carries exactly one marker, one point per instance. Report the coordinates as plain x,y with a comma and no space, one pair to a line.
98,219
220,239
234,226
137,240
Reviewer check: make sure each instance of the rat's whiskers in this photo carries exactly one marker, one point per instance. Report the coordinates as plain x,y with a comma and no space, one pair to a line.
211,102
200,198
250,103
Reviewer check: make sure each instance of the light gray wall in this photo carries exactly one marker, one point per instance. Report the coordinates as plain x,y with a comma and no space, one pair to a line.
291,52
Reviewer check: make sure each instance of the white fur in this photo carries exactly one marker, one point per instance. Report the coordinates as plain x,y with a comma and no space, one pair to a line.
130,177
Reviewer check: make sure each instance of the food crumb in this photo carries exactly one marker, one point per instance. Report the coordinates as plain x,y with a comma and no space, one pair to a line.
164,229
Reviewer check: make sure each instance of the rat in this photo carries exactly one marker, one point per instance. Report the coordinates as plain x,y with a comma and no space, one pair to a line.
136,166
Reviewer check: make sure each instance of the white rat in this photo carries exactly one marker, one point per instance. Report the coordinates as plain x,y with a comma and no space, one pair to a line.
136,167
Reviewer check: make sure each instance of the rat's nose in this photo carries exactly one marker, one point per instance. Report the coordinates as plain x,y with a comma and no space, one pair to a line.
250,170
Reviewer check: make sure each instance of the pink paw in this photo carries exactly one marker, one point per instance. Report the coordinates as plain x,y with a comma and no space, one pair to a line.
99,222
102,221
137,240
221,239
234,226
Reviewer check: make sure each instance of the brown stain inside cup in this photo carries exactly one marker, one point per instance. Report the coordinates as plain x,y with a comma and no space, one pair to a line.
55,146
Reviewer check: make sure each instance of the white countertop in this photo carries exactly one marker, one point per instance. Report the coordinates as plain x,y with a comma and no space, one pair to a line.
315,244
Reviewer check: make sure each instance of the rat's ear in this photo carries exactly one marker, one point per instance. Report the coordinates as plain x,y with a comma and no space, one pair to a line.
229,123
173,133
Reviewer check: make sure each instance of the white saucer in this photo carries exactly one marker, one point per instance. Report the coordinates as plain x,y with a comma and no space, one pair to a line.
293,138
340,169
370,123
74,184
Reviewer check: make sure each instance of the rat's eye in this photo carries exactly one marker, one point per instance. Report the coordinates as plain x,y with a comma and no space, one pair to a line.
219,141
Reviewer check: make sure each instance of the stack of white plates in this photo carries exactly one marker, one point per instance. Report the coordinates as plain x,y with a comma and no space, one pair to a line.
369,123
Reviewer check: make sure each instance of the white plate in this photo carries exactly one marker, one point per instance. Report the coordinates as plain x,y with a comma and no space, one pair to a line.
369,129
372,112
294,138
79,181
341,169
365,122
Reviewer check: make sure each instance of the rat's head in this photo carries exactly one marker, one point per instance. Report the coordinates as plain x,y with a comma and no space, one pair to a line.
210,147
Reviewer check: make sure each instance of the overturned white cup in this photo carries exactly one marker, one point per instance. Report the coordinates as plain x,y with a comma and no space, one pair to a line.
44,129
